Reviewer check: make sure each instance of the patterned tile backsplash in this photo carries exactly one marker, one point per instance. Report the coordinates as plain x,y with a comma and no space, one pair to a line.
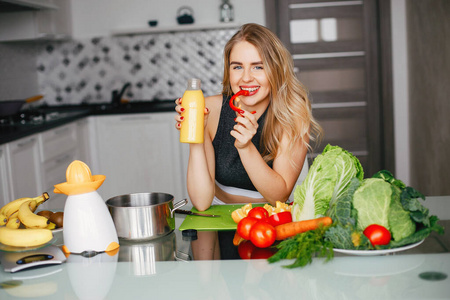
157,66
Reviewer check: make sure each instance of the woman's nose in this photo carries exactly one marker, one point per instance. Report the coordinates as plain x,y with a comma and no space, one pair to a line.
247,76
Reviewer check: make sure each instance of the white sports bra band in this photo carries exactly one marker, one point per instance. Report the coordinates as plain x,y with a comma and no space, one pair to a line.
235,191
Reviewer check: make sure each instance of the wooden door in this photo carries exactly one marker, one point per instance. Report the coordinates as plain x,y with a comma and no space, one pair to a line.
341,53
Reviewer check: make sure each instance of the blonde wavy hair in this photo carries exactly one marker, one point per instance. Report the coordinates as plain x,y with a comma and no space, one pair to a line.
289,110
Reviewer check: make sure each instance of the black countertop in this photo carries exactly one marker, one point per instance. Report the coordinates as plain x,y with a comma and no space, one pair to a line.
69,113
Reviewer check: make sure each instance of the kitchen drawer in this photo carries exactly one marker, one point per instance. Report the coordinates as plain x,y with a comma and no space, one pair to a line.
58,141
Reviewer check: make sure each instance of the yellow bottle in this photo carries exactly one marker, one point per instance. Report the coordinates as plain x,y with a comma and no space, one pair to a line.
193,102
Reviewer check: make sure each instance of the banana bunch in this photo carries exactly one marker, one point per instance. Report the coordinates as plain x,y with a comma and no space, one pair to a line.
9,214
30,237
21,211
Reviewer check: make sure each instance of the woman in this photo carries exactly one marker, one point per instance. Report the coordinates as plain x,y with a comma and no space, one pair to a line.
257,154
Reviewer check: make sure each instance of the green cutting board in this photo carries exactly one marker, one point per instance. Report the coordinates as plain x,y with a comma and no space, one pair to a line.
224,222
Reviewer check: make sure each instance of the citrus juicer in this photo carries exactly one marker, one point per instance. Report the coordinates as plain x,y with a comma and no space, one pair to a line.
88,225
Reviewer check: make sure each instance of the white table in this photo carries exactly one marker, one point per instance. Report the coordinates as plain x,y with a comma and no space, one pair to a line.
400,276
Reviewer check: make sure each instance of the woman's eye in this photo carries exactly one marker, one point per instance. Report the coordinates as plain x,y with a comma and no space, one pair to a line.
236,67
259,68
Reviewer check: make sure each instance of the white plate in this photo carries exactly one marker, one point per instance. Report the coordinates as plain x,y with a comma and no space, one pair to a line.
57,230
7,248
377,252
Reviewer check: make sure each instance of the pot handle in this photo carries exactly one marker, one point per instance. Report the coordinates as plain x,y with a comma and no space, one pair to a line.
177,206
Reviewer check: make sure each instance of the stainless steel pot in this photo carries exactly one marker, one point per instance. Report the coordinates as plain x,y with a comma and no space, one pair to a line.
144,255
143,216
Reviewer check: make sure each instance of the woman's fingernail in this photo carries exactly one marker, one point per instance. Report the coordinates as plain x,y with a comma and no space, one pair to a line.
235,119
181,118
241,112
182,109
253,112
207,109
178,125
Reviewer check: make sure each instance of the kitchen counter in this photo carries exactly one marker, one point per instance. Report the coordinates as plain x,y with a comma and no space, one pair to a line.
60,115
419,273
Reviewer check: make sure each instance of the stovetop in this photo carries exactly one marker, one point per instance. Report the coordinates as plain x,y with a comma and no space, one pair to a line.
36,117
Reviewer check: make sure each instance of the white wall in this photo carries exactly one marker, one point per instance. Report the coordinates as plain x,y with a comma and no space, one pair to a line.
400,90
93,18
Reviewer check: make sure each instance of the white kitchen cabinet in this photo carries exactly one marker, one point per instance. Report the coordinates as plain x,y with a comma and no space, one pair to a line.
58,148
27,4
4,178
83,141
54,22
24,167
96,18
138,153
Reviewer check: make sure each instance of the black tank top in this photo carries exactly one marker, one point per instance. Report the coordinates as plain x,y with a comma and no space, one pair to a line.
229,168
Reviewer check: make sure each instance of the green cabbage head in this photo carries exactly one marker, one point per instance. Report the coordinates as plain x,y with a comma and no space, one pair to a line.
327,180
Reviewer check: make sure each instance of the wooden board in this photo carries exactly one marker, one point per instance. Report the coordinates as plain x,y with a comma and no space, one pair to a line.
224,222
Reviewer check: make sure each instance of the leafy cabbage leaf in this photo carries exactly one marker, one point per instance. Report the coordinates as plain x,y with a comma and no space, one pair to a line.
386,201
400,222
341,210
327,180
346,237
372,200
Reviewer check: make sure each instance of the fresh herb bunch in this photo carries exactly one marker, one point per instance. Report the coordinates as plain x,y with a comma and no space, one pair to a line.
303,247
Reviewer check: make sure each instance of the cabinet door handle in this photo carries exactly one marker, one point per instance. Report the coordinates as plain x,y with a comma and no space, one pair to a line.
339,104
26,143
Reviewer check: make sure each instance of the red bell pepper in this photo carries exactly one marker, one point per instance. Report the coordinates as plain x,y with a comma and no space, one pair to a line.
280,218
235,108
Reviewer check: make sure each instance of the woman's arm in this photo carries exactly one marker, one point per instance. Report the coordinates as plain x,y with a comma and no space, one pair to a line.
200,174
273,184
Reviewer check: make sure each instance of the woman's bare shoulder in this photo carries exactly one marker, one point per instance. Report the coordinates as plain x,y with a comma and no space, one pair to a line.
213,101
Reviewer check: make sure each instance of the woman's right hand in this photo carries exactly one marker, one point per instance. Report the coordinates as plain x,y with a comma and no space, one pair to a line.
179,118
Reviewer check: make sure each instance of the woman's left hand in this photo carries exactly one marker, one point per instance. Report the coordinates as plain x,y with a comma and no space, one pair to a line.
245,129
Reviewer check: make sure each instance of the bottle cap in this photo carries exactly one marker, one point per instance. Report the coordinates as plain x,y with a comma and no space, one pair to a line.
194,84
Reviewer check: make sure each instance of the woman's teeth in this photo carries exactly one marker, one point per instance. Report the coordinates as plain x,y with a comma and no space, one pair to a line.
249,89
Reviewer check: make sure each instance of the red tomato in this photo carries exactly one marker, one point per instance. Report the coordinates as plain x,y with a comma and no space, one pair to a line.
245,249
377,234
244,226
263,253
258,212
280,218
262,234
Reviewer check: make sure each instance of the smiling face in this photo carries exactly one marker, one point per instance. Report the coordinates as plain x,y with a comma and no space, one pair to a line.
247,72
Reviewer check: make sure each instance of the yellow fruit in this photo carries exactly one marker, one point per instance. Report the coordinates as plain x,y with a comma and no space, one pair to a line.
241,213
13,206
24,237
51,226
13,223
29,218
3,220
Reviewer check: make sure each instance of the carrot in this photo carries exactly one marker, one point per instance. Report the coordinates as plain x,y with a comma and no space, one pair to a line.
237,239
288,230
